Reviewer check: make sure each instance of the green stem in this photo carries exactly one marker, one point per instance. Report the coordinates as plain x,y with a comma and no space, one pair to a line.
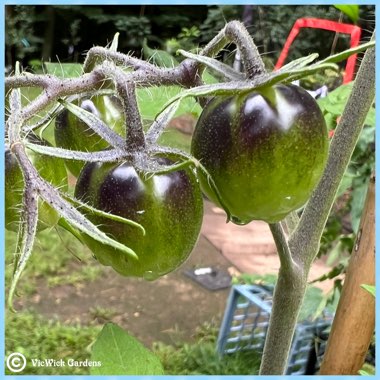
287,300
236,32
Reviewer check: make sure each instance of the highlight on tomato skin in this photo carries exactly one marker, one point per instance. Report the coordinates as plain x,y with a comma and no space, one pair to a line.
169,207
265,151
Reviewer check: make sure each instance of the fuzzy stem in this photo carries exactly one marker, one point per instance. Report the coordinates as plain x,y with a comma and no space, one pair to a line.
282,247
252,61
126,90
236,32
287,301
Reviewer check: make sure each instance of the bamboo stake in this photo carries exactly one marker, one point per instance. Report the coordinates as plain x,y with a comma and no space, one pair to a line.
354,321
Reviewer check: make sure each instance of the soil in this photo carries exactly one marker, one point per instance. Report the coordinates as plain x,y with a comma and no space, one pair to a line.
172,307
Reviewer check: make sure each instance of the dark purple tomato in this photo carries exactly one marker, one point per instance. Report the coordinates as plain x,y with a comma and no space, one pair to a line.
265,150
169,207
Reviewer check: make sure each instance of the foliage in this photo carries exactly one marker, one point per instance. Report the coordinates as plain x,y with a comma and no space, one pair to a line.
35,337
121,354
338,237
351,11
340,232
166,28
201,358
20,24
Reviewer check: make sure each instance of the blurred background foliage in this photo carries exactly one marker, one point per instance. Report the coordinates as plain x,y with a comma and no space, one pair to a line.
47,33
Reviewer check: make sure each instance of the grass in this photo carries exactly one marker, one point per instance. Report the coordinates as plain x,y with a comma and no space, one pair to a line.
54,260
38,338
201,357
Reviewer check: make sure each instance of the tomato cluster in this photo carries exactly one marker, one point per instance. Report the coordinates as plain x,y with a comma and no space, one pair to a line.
263,151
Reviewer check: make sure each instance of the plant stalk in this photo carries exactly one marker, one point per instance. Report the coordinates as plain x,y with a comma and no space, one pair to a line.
287,300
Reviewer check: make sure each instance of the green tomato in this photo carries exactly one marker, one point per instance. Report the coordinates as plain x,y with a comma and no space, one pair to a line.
50,168
265,150
169,207
72,133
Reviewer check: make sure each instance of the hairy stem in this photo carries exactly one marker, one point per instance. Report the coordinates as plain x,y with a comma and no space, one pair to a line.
287,301
235,32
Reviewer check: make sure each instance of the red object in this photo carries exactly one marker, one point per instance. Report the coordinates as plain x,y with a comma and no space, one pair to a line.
316,23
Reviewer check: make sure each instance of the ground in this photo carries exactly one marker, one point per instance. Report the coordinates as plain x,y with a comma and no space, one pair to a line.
172,307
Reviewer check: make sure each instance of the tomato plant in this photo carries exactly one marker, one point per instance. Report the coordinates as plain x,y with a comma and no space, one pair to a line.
72,133
259,150
265,150
50,168
169,207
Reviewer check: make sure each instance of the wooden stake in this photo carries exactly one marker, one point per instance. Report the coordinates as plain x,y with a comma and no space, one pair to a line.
354,321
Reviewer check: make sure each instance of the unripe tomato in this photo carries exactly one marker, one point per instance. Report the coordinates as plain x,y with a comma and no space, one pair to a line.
265,150
72,133
50,168
169,207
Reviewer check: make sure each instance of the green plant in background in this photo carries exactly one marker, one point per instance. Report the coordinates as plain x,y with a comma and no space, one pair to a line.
21,37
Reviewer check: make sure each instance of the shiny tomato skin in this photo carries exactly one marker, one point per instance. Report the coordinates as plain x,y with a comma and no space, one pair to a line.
265,150
169,207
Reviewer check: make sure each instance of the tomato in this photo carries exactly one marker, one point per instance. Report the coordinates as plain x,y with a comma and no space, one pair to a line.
50,168
169,207
72,133
265,150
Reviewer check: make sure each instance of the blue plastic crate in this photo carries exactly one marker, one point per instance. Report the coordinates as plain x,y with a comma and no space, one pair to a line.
245,324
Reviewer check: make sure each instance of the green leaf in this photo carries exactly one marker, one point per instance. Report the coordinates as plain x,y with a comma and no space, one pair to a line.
335,58
299,63
221,68
64,70
151,101
351,11
159,57
369,288
359,192
121,354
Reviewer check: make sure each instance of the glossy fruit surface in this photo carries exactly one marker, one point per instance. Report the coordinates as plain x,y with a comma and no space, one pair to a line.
72,133
169,207
265,151
50,168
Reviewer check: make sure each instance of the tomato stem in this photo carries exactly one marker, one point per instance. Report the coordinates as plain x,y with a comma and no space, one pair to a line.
236,32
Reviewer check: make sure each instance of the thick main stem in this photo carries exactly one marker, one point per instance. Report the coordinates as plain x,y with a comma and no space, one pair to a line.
287,301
